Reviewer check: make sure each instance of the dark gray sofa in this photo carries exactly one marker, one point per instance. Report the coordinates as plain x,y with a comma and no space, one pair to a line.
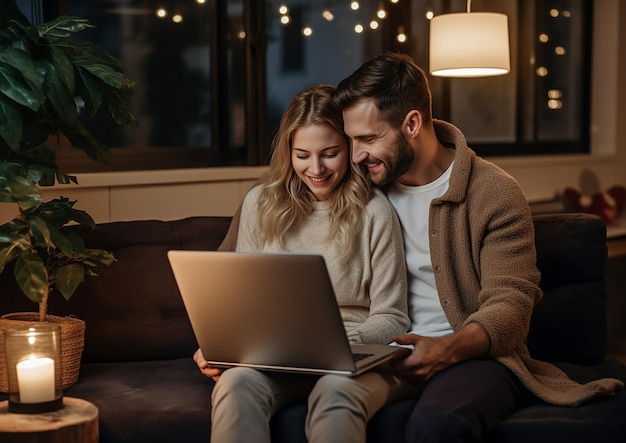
137,367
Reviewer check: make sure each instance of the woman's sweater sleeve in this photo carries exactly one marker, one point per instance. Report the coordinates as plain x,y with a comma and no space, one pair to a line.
388,315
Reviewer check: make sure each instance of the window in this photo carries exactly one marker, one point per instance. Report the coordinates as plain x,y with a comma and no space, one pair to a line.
215,76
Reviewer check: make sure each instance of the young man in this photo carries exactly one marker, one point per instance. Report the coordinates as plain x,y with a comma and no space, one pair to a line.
469,241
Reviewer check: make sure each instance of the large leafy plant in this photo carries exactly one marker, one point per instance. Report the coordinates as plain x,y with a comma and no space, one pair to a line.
49,84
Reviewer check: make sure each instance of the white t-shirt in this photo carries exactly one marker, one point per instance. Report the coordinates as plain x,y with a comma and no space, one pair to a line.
412,203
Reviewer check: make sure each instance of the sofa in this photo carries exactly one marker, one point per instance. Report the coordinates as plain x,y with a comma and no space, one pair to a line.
137,367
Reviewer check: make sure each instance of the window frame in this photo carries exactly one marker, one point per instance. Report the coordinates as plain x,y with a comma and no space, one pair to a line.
256,148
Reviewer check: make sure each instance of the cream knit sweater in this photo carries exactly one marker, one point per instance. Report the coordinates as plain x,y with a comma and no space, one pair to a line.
371,288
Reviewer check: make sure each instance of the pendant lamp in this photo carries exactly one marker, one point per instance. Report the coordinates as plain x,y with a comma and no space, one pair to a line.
471,44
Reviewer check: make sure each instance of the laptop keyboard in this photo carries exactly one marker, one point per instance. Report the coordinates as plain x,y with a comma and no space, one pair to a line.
358,357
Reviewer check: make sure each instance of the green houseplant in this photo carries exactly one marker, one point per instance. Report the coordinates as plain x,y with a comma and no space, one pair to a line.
50,84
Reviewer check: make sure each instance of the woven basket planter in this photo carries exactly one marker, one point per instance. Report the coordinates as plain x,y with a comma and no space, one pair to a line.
72,344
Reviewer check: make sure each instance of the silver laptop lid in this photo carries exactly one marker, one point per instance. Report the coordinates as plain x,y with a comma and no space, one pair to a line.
266,310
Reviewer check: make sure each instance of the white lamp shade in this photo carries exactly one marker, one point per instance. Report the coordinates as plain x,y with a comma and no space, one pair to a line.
472,44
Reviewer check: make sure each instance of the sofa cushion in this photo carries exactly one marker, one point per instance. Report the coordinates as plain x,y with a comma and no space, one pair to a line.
165,401
129,310
569,323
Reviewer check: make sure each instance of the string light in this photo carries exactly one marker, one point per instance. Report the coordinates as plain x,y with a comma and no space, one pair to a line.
161,12
327,13
381,13
401,37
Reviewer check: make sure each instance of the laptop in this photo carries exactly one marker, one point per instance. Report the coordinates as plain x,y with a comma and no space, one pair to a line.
269,311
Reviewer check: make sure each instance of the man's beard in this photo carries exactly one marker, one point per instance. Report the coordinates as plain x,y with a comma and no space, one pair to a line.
397,164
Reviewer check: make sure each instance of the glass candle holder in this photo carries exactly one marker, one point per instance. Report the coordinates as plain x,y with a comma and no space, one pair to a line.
33,356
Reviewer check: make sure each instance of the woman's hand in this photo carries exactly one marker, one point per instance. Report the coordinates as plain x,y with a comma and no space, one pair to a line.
205,367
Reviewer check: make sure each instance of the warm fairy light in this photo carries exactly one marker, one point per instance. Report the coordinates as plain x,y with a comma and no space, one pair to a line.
374,25
555,104
354,6
283,9
555,93
554,12
543,38
201,2
358,28
401,37
542,71
177,18
328,15
559,50
161,12
429,14
381,13
285,19
241,35
307,31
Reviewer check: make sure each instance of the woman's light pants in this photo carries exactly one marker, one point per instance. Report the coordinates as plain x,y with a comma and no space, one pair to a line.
244,400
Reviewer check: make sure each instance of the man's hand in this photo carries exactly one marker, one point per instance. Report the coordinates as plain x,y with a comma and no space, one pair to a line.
205,367
432,355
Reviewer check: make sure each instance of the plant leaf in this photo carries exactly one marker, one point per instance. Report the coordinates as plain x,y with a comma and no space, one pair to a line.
115,104
63,66
68,278
60,97
55,212
89,52
91,89
30,70
20,191
61,241
45,175
31,275
63,27
13,86
77,241
11,126
82,218
40,231
9,254
105,73
96,257
15,188
81,138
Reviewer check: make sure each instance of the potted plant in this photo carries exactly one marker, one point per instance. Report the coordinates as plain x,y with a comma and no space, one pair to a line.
49,84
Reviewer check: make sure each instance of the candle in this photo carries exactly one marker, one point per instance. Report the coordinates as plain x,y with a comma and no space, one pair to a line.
35,380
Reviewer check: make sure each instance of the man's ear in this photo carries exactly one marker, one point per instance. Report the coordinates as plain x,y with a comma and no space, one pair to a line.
412,123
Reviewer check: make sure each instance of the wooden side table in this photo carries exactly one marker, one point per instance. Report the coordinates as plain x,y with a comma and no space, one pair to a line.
76,422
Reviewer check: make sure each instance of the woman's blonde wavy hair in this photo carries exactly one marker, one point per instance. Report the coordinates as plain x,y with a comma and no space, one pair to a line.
286,200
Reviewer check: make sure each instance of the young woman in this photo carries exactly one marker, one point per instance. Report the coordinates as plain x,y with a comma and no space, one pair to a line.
314,199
